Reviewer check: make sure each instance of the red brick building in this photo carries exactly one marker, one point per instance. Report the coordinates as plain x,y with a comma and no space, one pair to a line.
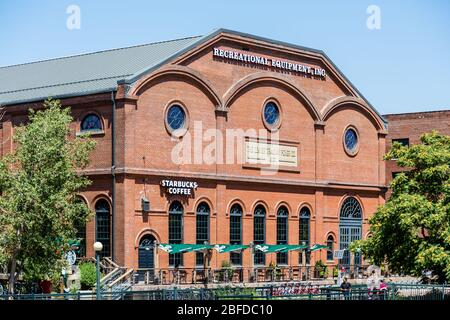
407,128
325,140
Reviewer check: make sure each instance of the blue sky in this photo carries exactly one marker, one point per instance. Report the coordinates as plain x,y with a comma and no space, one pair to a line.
402,67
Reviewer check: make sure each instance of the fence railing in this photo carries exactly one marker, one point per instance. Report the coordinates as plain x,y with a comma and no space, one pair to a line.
296,291
164,276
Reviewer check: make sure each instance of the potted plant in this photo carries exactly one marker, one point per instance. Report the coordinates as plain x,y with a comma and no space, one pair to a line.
320,269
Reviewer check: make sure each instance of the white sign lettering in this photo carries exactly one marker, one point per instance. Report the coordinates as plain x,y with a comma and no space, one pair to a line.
274,63
179,187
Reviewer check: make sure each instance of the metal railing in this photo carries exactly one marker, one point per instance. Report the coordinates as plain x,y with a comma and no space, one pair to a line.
180,276
297,291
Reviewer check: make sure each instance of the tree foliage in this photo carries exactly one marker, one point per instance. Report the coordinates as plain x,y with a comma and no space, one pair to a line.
411,231
39,181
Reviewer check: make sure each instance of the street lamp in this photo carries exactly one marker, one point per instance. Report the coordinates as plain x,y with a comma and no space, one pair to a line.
98,246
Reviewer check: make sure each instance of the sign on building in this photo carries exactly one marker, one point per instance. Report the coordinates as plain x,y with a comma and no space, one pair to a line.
179,187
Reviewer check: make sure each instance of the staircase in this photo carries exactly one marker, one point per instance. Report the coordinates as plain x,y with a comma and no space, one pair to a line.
116,281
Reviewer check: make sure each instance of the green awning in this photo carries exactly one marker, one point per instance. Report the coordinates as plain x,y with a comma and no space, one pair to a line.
318,247
270,248
295,247
223,248
183,247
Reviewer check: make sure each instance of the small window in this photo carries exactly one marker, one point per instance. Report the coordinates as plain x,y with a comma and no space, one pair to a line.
351,141
91,122
330,244
176,117
271,115
404,141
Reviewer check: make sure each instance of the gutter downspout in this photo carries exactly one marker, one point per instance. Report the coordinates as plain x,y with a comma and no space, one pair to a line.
113,168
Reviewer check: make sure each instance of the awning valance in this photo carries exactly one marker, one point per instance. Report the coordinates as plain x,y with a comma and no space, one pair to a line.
182,247
223,248
318,247
269,248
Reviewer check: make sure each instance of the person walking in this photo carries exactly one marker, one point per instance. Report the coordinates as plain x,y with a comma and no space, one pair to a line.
346,288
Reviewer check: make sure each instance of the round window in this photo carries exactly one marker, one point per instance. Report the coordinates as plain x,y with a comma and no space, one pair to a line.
351,141
271,114
176,117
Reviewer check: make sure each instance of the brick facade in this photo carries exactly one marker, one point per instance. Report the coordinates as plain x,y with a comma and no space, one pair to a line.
229,95
411,126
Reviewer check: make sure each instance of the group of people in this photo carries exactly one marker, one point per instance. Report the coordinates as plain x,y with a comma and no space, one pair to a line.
376,287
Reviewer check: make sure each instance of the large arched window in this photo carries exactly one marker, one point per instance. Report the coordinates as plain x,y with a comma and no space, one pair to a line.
236,232
304,232
330,244
282,233
176,231
103,226
202,228
259,233
91,122
350,226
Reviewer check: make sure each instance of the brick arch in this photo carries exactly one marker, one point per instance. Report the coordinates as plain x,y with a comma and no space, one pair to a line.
206,200
143,233
183,72
239,202
268,77
283,204
84,199
263,203
351,195
344,102
101,196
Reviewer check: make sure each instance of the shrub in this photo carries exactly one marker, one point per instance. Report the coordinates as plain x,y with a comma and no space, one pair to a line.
321,269
88,275
227,271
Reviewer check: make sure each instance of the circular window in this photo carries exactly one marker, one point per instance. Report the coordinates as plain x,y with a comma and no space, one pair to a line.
271,114
351,141
176,117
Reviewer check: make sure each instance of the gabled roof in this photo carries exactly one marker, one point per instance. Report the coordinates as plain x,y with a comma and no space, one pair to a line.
101,71
81,74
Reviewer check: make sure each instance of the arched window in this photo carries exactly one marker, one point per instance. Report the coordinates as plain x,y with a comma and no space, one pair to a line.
282,233
304,232
91,122
350,228
202,226
330,244
259,233
236,232
103,226
176,231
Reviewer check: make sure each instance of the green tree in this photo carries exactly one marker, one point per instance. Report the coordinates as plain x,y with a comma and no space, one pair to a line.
38,206
411,231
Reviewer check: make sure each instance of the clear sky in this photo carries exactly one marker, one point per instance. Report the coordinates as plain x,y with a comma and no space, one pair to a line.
402,67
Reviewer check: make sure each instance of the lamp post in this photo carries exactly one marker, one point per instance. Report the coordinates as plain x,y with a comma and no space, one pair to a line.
97,248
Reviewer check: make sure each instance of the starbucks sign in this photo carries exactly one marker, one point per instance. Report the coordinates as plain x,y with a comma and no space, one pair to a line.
179,187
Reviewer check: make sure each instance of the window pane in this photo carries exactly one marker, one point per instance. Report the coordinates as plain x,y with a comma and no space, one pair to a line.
282,234
202,229
91,122
330,244
304,233
176,231
259,234
103,227
236,233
